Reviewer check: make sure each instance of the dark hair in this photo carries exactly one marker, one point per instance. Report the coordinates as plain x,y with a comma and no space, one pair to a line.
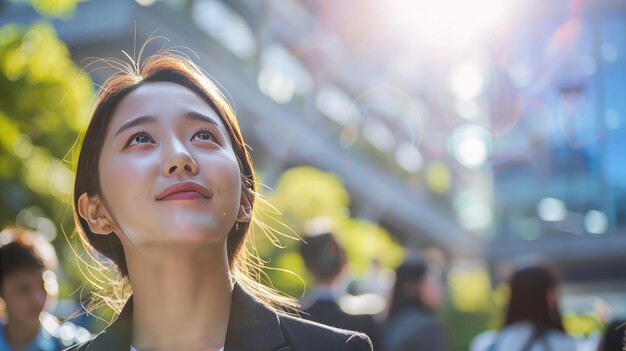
165,66
410,271
529,298
323,256
18,255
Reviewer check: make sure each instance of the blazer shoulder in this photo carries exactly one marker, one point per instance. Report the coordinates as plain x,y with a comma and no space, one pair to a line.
309,335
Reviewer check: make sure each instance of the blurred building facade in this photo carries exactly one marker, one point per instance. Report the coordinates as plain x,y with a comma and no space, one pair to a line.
507,145
560,195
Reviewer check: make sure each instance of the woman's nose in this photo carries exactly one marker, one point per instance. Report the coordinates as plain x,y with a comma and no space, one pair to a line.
180,162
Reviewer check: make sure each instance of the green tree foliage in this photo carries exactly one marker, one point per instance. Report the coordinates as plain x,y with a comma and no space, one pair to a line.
303,194
473,306
44,102
53,8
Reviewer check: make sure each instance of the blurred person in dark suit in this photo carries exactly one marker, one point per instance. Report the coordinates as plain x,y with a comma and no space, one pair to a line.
417,295
23,260
325,259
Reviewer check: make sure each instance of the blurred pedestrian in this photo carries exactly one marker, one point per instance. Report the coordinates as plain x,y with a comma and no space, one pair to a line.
325,259
22,288
165,188
533,320
614,337
417,295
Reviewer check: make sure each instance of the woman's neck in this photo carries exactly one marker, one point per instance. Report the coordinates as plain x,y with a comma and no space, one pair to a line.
181,297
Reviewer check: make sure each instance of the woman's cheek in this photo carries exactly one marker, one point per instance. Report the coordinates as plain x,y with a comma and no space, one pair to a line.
123,181
235,183
112,177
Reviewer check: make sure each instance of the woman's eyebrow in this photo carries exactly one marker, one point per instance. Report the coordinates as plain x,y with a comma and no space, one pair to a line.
135,122
197,116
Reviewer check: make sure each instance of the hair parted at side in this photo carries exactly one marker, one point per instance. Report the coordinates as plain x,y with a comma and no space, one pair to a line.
173,67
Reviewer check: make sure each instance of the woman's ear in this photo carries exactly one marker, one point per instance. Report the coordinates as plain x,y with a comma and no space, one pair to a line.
245,206
92,210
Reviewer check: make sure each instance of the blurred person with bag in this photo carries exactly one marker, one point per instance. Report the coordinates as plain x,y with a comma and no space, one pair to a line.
614,336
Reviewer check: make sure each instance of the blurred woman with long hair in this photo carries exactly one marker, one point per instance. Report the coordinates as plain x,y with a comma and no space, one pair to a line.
417,295
533,320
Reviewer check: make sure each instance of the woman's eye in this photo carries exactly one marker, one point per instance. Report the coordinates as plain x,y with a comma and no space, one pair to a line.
139,138
204,135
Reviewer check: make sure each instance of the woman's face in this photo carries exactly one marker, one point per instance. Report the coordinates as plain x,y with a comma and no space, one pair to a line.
168,172
432,291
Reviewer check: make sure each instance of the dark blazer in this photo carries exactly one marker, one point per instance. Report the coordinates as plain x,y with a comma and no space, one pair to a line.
329,312
251,327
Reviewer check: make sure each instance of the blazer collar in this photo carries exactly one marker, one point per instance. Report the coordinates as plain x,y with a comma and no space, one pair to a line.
116,336
251,327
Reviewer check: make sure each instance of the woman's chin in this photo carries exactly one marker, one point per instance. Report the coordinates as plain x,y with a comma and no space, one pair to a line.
177,230
195,232
189,241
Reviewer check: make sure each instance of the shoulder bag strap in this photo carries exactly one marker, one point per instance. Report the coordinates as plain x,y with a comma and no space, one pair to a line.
496,340
531,341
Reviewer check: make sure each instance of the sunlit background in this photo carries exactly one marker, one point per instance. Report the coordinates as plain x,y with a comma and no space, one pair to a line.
472,132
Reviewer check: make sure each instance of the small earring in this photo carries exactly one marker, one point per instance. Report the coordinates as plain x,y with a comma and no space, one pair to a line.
236,225
107,228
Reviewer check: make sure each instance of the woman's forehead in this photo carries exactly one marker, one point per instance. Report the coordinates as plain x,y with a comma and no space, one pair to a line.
162,101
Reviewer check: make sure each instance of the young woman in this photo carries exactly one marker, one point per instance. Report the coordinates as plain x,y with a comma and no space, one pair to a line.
165,188
533,321
417,295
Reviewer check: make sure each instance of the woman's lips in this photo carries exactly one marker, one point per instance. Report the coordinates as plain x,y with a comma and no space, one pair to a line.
184,195
184,191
